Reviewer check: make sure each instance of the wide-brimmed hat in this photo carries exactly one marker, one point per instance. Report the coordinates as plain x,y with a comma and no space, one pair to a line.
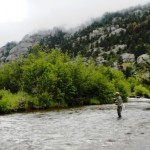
117,93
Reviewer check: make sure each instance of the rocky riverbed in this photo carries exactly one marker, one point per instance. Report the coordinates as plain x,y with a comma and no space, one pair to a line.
86,128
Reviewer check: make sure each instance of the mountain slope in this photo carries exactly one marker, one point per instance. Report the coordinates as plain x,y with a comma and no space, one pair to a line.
124,34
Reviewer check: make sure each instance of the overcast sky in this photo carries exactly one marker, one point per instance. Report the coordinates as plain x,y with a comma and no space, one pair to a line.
21,17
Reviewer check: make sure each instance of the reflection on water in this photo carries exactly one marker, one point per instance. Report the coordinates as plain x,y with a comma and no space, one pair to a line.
87,128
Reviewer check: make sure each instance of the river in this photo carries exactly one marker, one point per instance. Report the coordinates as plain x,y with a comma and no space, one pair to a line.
85,128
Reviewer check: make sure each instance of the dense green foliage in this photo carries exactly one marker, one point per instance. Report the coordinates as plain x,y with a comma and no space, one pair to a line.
141,91
45,80
13,102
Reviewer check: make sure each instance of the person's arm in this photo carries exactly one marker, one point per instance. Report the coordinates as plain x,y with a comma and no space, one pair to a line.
119,101
116,101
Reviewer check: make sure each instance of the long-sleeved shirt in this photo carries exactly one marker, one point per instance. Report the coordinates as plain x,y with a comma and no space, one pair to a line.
118,101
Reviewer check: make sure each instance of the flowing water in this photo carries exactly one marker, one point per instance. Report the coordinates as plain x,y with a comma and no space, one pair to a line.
86,128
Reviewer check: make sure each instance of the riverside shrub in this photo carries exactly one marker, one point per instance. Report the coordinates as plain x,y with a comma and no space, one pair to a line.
55,80
13,102
141,91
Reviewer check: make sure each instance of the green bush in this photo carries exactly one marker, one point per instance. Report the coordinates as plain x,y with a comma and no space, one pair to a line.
13,102
94,101
33,103
141,91
117,81
54,80
124,88
133,82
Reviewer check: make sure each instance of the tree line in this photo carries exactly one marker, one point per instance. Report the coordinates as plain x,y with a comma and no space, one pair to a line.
53,79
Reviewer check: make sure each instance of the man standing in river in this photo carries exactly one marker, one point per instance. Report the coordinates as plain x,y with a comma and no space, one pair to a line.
118,102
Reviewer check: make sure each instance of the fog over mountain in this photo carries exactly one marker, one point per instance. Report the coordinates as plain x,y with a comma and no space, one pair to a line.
27,16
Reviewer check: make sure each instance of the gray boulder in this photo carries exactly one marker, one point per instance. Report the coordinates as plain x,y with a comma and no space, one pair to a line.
127,57
142,58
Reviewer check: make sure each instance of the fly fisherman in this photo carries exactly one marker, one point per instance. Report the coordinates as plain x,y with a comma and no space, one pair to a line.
118,102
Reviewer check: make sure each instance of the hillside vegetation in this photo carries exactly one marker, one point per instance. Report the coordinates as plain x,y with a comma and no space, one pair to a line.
47,80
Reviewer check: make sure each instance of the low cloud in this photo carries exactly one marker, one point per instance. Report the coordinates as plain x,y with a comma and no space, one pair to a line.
46,14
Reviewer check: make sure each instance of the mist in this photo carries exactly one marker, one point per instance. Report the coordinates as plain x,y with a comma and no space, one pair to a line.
64,14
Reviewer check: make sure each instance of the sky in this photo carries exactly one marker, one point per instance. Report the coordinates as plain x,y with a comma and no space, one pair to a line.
21,17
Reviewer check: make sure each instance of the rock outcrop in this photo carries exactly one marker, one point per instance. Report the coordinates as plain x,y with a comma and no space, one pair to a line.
127,57
22,48
142,58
